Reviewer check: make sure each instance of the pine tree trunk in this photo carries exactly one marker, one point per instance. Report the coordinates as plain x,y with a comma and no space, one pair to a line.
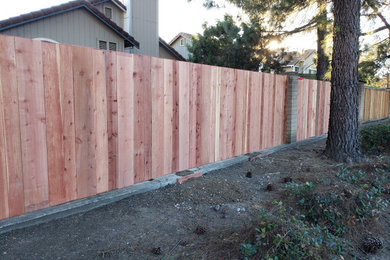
322,62
343,137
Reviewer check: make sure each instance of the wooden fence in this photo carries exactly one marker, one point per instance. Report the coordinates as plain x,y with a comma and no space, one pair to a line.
76,121
374,103
313,108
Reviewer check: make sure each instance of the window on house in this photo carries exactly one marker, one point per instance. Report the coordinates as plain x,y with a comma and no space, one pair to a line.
112,46
108,12
182,42
102,45
296,69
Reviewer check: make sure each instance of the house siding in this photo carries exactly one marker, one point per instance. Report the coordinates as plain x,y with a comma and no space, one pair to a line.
117,13
78,27
182,49
164,53
145,26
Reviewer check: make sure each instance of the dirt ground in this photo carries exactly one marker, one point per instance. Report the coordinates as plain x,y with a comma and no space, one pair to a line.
199,219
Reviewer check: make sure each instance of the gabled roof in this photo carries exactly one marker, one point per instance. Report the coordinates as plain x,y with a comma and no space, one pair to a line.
171,50
182,34
115,2
64,8
305,55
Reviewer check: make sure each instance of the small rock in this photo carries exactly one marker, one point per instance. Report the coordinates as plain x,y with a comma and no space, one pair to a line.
217,208
199,230
308,169
156,251
371,244
183,242
287,179
270,187
249,174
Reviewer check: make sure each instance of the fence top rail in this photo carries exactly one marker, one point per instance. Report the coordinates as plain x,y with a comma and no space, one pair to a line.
380,89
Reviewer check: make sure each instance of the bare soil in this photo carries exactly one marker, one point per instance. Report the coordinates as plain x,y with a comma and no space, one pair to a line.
203,218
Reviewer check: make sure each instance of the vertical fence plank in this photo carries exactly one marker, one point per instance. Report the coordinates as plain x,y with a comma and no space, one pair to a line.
139,119
175,117
195,84
4,207
83,78
158,118
148,103
112,118
54,127
255,101
227,118
10,101
280,109
216,79
204,117
32,122
125,120
320,108
68,121
240,113
267,110
100,121
327,106
184,114
168,118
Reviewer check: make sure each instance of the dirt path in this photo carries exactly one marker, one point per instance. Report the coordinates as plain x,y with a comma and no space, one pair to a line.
194,220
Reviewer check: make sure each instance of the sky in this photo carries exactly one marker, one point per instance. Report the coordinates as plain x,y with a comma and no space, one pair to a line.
174,16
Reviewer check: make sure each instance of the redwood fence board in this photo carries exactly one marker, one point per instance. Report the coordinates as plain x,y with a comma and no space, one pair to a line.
68,122
75,121
11,131
376,104
32,123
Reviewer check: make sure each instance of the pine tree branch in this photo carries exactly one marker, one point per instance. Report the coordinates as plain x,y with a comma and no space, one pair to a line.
374,31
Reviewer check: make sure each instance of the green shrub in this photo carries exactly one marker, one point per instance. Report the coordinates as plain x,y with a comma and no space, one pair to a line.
375,138
281,235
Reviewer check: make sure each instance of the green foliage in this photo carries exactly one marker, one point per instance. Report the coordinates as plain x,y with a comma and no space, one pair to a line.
374,64
235,46
281,235
375,138
227,44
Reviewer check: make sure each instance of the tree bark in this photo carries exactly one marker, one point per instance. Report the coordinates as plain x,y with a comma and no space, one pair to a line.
322,62
343,136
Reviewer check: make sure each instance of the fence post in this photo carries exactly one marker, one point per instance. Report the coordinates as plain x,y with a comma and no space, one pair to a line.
361,101
291,111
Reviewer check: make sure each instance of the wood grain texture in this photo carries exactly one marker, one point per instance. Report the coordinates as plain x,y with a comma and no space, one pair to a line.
84,103
148,104
205,117
4,207
255,101
139,119
11,117
267,110
68,121
194,107
158,122
112,118
32,123
100,121
240,113
54,123
125,90
183,89
169,116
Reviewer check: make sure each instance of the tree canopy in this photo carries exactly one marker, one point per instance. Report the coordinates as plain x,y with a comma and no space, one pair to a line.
230,45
